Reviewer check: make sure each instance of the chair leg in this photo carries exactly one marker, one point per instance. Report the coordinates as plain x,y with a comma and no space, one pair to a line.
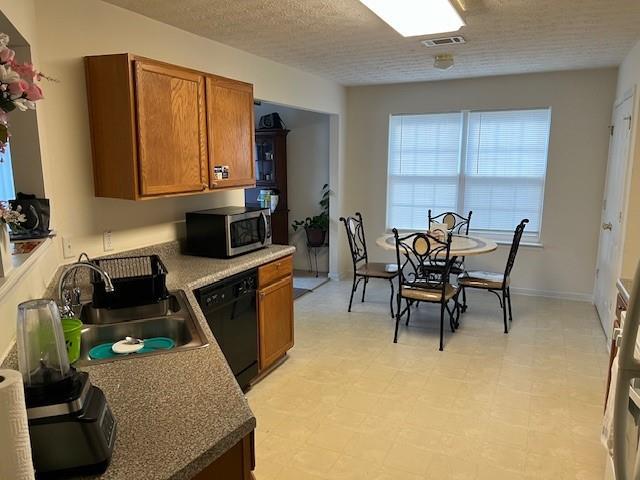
408,312
364,287
442,308
391,299
509,303
464,300
452,323
353,290
398,313
504,311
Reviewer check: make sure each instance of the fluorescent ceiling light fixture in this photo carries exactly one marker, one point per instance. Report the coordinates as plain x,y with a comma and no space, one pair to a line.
417,17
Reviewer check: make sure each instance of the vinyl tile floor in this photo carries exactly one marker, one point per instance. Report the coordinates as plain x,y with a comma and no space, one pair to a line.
349,404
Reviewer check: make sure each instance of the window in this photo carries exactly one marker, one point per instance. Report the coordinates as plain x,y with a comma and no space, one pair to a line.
493,163
7,190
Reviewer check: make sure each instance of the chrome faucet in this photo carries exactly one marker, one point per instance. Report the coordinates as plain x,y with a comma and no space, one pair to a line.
66,297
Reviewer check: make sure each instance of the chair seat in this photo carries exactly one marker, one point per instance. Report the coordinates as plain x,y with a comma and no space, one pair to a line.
378,270
486,280
429,294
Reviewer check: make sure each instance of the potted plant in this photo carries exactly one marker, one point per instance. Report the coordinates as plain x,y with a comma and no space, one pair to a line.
18,87
316,227
12,218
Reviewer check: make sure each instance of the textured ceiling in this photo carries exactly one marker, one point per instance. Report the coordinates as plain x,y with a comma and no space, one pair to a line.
345,41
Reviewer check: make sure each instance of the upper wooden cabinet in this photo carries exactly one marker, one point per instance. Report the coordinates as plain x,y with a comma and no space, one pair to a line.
159,130
231,141
172,130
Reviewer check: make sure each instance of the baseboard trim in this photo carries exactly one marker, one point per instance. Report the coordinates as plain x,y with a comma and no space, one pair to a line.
337,276
578,297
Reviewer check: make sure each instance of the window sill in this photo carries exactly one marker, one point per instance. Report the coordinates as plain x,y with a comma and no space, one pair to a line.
22,263
522,243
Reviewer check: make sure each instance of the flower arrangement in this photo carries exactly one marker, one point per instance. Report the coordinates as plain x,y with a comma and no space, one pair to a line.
18,87
12,217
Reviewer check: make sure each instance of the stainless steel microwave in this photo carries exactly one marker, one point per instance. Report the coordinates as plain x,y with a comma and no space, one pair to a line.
227,232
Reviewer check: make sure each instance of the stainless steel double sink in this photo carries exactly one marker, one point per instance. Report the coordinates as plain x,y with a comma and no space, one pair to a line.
173,318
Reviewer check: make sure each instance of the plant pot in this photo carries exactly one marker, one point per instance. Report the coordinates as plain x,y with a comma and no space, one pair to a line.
316,237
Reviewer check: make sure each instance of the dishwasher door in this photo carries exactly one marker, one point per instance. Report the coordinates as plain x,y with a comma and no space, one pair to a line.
230,310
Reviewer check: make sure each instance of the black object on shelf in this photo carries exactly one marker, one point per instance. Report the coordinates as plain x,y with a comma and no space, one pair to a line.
138,280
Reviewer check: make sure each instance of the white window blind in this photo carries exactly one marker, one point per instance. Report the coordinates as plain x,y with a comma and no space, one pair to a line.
497,169
424,154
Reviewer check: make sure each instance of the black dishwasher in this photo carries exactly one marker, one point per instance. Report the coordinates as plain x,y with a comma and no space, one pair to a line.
230,309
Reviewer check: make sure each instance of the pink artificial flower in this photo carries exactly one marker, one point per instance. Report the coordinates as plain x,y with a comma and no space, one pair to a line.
26,71
7,55
19,87
34,93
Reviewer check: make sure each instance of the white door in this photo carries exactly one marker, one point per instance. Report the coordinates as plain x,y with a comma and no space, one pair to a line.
611,229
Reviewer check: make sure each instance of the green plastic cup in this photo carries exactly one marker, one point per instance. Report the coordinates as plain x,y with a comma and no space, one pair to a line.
72,328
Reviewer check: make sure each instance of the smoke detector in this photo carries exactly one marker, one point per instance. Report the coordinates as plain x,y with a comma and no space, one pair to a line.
443,41
443,61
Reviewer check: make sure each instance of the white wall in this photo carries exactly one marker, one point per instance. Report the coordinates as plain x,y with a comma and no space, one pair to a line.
60,34
629,78
70,29
581,104
307,172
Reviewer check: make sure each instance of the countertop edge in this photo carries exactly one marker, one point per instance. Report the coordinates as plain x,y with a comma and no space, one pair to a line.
198,464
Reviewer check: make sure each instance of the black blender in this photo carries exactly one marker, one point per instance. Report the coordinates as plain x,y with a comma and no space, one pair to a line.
71,427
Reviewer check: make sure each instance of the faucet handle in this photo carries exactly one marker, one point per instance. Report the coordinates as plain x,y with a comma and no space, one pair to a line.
75,296
70,299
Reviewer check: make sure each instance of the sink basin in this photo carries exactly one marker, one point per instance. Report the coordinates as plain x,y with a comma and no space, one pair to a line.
172,318
99,316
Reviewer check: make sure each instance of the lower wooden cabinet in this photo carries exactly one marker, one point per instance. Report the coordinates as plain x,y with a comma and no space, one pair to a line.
236,464
621,306
275,311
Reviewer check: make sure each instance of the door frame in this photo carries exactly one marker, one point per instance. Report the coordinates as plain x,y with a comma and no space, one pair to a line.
629,94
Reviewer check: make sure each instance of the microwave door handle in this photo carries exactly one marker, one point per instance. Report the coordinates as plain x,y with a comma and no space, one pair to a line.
266,228
628,369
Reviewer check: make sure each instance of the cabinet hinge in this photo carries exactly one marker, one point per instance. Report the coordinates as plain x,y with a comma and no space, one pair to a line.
611,128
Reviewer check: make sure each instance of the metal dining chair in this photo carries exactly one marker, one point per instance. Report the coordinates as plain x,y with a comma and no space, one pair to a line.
497,283
458,224
415,254
363,270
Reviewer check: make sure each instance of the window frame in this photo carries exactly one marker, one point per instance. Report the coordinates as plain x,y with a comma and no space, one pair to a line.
501,237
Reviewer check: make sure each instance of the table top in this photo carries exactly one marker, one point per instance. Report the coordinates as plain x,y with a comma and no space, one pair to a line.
461,245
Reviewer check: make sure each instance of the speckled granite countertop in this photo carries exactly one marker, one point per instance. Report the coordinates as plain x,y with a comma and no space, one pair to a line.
177,412
624,287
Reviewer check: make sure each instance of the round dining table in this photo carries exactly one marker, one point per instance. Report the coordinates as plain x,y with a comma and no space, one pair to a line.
461,245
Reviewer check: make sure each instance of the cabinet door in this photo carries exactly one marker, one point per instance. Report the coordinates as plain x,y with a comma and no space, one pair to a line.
172,145
230,128
275,306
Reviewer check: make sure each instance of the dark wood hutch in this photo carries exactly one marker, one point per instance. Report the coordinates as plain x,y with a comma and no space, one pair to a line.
271,173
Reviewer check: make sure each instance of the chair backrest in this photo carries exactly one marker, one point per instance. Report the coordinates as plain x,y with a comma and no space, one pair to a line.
417,254
456,223
357,241
515,244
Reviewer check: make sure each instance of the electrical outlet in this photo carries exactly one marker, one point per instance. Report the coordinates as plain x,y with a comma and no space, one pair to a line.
67,248
107,241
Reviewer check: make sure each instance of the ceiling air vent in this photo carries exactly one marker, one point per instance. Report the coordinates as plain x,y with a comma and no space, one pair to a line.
444,41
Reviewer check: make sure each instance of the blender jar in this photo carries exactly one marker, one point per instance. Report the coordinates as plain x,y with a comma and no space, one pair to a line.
42,351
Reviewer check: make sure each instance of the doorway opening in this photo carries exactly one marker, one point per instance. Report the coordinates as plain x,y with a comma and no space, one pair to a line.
292,163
